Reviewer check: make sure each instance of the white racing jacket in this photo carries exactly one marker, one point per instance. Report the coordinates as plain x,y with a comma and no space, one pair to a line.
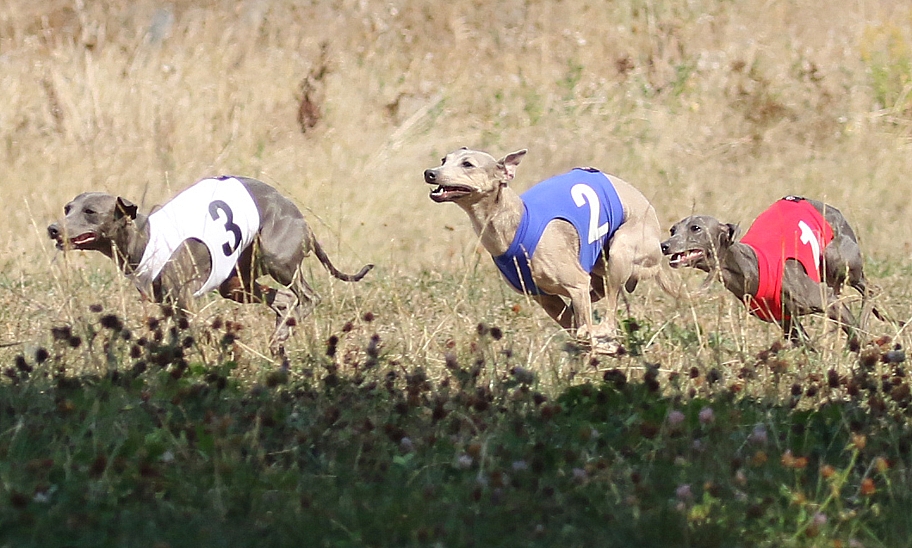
219,212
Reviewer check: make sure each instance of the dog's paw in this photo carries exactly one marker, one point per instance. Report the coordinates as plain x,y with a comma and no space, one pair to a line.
608,346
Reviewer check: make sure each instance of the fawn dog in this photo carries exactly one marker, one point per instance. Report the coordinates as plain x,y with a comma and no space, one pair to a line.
581,236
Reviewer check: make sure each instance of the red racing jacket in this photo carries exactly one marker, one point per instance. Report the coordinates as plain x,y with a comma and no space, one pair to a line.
791,228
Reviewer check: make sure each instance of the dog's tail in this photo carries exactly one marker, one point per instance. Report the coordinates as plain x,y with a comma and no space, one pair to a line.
318,250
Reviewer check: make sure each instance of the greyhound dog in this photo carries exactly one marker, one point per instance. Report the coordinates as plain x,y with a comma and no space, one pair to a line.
582,236
223,233
793,261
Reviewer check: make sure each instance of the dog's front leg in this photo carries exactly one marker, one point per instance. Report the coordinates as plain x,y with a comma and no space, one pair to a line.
558,309
581,304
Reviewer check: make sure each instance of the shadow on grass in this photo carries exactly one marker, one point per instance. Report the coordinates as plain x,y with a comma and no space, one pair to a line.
165,447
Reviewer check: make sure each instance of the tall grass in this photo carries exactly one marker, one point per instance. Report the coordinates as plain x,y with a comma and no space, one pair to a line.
716,107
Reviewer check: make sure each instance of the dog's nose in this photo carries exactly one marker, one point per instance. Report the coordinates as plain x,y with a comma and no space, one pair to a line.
430,176
53,232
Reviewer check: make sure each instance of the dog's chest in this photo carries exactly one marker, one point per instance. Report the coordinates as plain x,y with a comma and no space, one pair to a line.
218,212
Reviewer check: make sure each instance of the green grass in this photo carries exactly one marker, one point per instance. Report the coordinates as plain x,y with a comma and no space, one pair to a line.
160,448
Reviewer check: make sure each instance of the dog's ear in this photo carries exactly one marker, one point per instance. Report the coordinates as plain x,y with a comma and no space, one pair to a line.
730,234
124,208
508,164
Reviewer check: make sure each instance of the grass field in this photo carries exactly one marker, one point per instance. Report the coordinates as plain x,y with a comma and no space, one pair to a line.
428,404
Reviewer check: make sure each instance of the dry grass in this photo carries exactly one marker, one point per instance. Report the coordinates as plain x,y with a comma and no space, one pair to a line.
716,107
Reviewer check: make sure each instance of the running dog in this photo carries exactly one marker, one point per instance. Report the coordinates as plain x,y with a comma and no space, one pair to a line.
221,233
581,236
794,260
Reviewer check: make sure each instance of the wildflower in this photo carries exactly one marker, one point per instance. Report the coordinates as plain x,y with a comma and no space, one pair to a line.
474,449
520,465
859,441
881,465
893,356
523,375
406,445
580,475
41,355
758,435
790,461
707,415
464,461
867,487
43,494
675,418
61,333
819,519
827,471
22,365
714,375
740,477
684,492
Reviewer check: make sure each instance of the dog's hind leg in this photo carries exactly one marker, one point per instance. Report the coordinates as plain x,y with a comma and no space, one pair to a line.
801,295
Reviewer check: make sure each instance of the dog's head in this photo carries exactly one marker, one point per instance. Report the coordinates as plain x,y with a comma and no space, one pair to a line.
466,176
698,241
91,221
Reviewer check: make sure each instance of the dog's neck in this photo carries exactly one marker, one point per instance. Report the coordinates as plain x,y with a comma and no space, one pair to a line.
128,243
739,271
496,219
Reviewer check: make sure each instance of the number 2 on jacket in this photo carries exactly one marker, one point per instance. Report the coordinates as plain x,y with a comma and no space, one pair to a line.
581,194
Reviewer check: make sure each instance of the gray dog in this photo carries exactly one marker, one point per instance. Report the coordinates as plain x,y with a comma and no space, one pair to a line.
794,260
221,233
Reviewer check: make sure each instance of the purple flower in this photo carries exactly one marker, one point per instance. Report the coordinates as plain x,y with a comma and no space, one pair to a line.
675,417
758,435
684,493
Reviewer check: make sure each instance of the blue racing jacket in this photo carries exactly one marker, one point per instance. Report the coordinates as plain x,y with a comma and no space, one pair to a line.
584,197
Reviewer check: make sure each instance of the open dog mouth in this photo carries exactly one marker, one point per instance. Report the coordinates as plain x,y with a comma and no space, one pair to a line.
79,242
685,258
448,193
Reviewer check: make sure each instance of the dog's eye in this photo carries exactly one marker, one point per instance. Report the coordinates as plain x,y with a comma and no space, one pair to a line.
695,228
66,209
89,211
672,230
466,163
